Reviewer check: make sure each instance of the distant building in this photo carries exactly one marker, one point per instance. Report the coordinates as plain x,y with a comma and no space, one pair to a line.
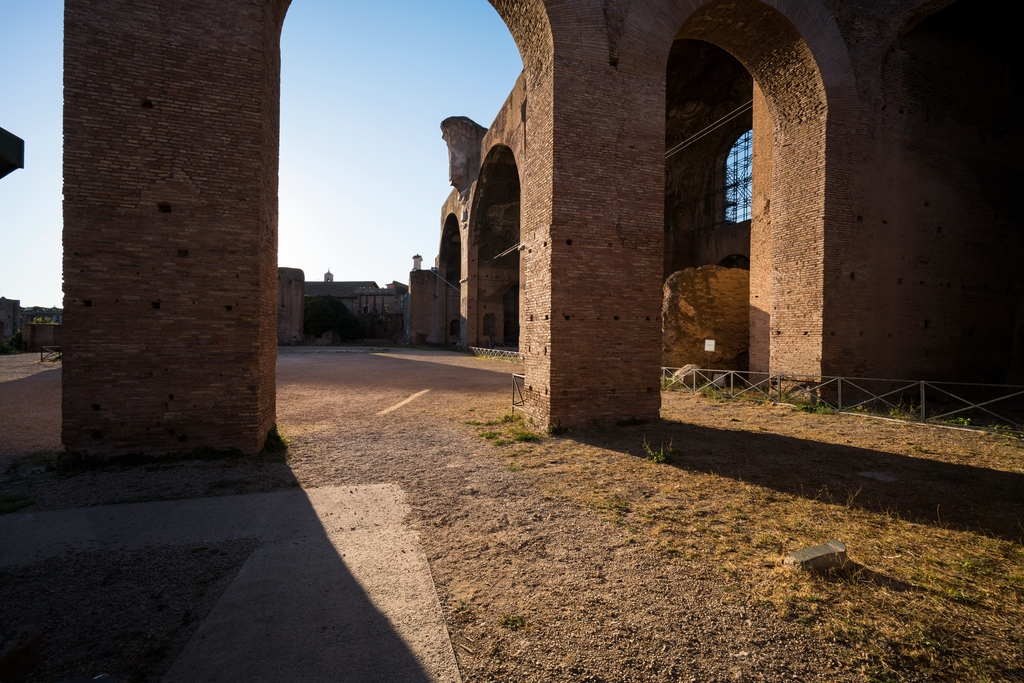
10,317
49,315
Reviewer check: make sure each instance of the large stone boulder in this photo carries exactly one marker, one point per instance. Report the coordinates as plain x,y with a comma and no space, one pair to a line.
710,302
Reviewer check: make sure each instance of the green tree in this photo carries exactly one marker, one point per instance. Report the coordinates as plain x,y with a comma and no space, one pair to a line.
325,313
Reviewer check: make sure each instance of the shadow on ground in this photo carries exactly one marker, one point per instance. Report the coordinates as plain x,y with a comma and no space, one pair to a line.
231,588
926,491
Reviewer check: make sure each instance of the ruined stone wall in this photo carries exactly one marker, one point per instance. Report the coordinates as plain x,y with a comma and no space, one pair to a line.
171,204
710,302
291,306
421,307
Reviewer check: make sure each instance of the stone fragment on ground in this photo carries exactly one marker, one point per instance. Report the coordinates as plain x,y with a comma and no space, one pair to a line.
819,558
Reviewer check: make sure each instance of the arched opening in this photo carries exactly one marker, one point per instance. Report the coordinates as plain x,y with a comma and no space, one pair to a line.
450,272
744,181
953,149
495,225
708,173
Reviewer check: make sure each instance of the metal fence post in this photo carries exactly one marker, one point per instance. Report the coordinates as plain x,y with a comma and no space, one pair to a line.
924,413
731,390
839,398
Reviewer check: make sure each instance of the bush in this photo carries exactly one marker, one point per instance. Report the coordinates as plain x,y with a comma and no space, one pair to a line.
325,313
13,345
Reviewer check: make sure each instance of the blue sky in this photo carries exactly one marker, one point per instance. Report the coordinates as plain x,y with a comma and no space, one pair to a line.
364,171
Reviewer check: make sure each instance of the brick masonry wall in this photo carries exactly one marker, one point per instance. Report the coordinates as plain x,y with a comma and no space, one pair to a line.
171,134
170,273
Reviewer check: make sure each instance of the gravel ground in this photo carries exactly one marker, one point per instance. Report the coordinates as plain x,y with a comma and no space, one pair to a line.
534,588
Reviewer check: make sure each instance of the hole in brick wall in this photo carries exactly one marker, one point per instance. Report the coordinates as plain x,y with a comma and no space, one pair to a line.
885,222
832,334
228,308
862,333
95,406
927,203
147,104
805,334
860,219
183,253
565,316
163,207
616,317
650,390
900,281
853,276
927,324
569,242
87,303
97,435
778,331
182,438
156,304
938,228
170,397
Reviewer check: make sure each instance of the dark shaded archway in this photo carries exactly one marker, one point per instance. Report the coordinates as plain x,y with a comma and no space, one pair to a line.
951,221
450,270
495,232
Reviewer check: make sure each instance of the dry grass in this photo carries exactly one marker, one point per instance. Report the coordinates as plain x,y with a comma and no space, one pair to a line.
936,588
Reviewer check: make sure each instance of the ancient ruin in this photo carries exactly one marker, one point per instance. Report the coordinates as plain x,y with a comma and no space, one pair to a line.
882,148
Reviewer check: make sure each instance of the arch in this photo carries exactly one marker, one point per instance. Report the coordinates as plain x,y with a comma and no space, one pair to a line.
494,236
450,271
790,117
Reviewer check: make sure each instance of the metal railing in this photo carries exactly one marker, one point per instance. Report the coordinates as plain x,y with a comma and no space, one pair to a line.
994,407
518,381
50,353
500,354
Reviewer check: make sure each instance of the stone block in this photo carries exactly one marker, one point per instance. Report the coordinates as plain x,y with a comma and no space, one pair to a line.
819,558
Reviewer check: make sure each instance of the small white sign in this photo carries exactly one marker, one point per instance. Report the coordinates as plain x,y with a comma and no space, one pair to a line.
709,345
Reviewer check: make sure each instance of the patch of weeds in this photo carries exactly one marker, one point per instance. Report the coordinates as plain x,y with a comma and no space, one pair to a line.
661,456
557,430
526,436
463,607
817,408
474,423
502,442
631,422
614,504
714,393
490,435
630,540
512,467
12,502
965,421
959,595
513,622
276,444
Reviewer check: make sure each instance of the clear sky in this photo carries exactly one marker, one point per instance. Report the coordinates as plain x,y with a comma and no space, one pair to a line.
364,88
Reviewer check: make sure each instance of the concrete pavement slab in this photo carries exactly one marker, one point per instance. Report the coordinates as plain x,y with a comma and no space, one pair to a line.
338,590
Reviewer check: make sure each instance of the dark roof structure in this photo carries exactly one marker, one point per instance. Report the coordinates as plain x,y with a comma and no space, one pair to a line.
12,152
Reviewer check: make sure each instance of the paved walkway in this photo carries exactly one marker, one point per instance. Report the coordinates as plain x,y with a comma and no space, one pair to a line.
338,590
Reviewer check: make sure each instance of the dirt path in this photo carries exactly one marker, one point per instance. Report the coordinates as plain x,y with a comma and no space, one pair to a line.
534,588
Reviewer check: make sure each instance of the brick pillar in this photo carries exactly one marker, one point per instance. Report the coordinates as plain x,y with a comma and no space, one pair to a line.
170,225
